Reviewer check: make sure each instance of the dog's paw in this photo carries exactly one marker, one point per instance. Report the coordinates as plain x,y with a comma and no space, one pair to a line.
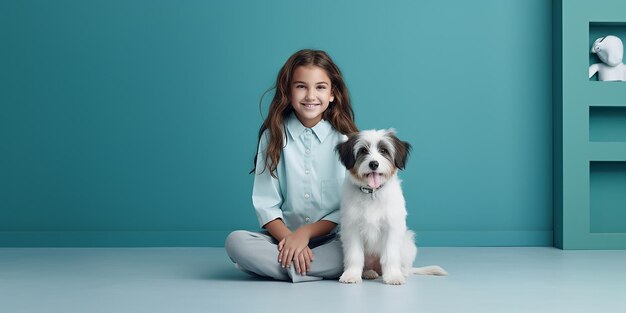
394,278
370,274
350,277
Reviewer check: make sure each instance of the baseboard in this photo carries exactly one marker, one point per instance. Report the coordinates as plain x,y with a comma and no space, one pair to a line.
114,239
485,238
216,238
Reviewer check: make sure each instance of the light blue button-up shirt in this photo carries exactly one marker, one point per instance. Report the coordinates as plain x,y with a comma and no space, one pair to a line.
309,176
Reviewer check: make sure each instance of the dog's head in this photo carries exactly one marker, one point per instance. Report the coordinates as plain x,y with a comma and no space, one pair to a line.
373,156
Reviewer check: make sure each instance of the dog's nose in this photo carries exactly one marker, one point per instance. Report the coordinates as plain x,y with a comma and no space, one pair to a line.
374,165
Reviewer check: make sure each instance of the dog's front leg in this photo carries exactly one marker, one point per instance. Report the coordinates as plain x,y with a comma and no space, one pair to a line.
390,260
353,258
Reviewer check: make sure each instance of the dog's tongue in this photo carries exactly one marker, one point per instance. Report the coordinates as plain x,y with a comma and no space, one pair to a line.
373,180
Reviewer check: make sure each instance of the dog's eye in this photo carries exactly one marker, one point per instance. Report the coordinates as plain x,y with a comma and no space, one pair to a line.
384,151
362,150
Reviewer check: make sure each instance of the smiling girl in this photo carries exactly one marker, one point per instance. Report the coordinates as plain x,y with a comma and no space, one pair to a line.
297,175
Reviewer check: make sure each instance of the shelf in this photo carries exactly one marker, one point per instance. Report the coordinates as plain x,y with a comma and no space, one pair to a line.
606,93
607,151
589,129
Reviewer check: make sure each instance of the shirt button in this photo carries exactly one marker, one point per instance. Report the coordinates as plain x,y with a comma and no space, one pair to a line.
307,219
308,131
308,151
307,172
306,195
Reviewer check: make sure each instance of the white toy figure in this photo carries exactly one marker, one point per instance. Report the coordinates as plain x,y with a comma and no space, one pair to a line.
611,51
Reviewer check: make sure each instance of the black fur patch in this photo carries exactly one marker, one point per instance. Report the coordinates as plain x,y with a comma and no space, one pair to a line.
403,149
345,151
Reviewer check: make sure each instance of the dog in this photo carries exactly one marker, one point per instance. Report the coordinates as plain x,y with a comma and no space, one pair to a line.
373,231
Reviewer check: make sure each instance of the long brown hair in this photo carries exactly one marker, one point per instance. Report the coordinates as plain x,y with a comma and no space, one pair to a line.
339,112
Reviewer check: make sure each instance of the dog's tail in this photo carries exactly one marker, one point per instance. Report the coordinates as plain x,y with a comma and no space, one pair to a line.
429,270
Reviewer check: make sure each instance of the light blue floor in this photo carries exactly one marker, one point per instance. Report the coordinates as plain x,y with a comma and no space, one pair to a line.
203,280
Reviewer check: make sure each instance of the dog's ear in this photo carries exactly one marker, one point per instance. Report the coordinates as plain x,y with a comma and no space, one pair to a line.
346,151
402,149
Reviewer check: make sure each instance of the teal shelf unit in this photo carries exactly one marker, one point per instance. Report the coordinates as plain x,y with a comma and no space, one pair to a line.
589,130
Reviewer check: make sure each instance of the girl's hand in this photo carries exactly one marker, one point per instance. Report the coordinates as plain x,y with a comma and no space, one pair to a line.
291,249
302,262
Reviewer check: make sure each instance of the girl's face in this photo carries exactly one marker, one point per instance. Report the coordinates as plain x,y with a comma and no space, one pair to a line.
310,94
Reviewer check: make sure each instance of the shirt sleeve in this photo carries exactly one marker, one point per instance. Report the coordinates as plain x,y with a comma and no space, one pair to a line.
333,216
266,196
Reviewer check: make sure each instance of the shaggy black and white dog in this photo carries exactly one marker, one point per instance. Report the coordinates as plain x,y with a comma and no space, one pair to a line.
374,234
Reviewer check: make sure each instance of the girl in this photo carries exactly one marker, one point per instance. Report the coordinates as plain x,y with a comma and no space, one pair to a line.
298,175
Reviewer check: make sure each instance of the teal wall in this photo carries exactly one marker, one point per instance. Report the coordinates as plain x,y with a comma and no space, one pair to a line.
133,123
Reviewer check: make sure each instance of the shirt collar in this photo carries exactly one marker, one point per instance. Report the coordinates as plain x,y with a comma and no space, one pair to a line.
296,129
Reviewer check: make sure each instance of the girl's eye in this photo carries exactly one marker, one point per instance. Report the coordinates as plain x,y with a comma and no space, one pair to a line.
299,86
321,87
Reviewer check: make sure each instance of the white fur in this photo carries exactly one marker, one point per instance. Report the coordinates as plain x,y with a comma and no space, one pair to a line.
373,226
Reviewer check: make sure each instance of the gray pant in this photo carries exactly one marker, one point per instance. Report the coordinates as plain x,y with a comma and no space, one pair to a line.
257,254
